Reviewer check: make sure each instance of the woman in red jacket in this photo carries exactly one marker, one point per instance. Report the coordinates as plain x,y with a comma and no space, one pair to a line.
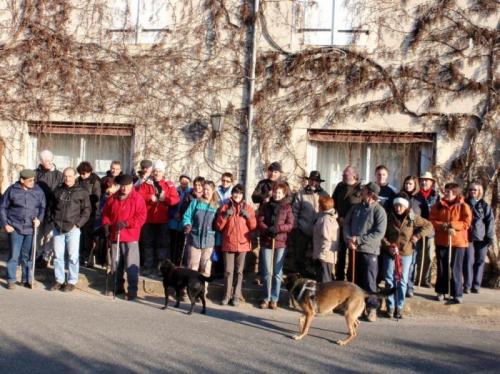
275,223
235,220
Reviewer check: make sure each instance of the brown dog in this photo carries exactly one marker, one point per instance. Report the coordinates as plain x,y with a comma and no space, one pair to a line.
319,298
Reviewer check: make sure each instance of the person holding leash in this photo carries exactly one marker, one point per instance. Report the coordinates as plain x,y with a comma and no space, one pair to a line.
22,208
235,220
451,218
404,229
275,222
125,213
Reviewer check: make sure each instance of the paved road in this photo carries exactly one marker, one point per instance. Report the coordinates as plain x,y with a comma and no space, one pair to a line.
42,331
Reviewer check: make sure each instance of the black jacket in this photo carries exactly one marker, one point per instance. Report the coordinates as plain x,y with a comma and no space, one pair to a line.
48,180
345,197
70,207
93,186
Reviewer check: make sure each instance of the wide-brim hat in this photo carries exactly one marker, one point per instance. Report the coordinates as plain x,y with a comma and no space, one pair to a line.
315,176
427,175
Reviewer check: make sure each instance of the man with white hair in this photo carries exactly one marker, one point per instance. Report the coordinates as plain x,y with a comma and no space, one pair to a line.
48,178
159,195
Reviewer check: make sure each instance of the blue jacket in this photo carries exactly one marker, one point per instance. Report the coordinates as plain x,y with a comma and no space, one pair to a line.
173,211
483,222
200,216
18,207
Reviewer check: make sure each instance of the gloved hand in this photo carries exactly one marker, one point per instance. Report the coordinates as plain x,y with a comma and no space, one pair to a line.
105,230
272,231
393,249
229,212
187,229
244,213
444,226
121,225
451,232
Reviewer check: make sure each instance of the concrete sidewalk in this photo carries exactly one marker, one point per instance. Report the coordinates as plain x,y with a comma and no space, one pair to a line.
485,304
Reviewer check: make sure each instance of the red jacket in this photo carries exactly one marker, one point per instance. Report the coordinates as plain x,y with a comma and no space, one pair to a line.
458,215
279,215
236,229
158,210
132,210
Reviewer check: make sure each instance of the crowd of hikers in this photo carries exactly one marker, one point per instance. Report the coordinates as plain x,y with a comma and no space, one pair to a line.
364,233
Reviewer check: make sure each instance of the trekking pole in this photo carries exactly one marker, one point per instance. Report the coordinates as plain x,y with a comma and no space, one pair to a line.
422,254
183,250
33,255
353,269
449,266
115,263
108,262
273,244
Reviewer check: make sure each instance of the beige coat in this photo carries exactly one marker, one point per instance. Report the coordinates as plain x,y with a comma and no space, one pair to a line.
326,236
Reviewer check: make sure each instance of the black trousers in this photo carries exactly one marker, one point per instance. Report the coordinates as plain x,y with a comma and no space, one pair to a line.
457,261
366,276
323,271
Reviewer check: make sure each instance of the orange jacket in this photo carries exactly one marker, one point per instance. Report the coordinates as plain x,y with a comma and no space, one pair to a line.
236,229
458,215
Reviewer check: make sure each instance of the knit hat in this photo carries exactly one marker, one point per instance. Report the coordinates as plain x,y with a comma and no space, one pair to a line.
27,174
159,165
401,201
275,166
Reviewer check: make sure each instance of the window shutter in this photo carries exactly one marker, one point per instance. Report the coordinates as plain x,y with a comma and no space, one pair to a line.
346,23
154,21
318,21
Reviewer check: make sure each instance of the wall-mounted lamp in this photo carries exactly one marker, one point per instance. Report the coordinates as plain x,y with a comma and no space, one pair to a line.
217,121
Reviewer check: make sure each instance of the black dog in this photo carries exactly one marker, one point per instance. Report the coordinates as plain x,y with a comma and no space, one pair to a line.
178,278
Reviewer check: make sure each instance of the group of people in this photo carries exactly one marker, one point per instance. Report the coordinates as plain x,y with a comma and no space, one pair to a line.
364,233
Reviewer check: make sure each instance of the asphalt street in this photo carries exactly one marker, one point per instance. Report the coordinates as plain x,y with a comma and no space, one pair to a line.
50,332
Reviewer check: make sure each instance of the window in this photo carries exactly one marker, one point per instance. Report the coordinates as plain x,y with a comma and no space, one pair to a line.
74,143
331,22
139,21
402,153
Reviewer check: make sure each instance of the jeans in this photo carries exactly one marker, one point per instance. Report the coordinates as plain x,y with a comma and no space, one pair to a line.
20,249
412,275
475,255
69,241
390,280
272,284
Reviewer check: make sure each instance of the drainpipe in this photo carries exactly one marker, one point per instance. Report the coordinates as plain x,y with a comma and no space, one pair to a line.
251,92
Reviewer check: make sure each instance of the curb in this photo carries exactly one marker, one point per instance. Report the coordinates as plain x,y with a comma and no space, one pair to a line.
422,304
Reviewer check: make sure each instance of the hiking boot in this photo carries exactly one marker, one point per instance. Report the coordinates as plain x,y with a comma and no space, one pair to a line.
409,294
146,272
264,304
11,286
235,301
273,305
457,300
131,296
224,301
120,291
475,290
69,287
28,285
56,286
389,313
439,297
466,290
372,315
398,314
